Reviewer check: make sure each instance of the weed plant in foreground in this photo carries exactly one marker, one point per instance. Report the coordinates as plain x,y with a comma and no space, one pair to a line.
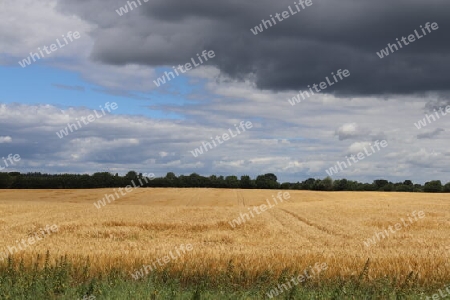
50,277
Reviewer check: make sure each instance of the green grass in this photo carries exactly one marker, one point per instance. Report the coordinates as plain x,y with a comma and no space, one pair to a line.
62,280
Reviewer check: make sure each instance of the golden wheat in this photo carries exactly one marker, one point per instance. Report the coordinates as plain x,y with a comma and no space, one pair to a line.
311,227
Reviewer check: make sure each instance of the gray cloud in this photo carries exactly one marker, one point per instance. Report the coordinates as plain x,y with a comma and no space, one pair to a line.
431,134
297,52
120,93
69,87
440,101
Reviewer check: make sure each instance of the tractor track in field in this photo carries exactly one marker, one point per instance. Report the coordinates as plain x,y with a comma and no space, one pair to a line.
240,197
291,230
282,222
196,196
312,224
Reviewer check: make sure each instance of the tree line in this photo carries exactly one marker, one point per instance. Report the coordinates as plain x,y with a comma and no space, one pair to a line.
16,180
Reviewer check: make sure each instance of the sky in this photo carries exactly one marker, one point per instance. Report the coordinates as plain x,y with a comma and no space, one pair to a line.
103,54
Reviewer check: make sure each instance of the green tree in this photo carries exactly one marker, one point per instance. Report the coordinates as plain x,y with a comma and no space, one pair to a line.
341,185
195,180
434,186
446,188
246,182
103,179
285,186
380,184
232,182
308,184
327,183
5,181
408,183
418,188
131,175
404,188
267,181
170,180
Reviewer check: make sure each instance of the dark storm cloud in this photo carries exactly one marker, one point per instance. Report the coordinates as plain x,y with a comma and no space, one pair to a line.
299,51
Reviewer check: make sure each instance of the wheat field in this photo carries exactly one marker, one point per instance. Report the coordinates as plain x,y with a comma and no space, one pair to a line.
310,227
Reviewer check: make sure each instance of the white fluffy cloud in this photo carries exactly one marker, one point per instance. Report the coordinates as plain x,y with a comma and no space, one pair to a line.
5,139
26,25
